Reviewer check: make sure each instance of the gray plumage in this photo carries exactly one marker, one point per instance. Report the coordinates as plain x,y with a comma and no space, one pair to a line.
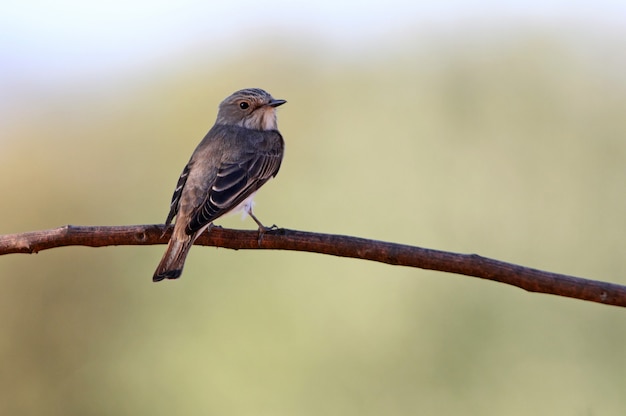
241,152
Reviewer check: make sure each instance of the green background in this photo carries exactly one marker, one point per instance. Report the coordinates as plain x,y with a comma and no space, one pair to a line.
511,147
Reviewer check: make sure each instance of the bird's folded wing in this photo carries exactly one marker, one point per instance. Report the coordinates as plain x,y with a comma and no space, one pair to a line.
233,184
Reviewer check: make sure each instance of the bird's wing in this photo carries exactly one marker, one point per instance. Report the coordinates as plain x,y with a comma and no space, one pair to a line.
235,181
177,193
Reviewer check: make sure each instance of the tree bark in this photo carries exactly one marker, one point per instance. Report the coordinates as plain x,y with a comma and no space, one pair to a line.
529,279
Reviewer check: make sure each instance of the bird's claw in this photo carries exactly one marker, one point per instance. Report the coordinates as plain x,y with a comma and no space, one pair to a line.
262,230
211,226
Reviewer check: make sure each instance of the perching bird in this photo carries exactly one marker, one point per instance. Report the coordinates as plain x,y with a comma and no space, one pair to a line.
241,152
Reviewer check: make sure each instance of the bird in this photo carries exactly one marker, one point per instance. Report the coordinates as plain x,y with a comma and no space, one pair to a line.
239,154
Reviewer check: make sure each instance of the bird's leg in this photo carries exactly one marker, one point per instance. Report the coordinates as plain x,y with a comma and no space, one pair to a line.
262,228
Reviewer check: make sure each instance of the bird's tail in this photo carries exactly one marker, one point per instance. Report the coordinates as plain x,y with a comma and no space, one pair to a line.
173,261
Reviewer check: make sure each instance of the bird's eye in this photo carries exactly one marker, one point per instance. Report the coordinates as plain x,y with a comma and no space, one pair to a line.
244,105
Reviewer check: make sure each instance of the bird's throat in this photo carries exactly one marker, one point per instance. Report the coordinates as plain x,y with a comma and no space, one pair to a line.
262,119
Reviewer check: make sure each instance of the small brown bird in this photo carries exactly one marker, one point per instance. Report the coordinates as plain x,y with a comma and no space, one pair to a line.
241,152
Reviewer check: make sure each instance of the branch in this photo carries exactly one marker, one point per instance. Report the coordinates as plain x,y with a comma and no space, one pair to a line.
532,280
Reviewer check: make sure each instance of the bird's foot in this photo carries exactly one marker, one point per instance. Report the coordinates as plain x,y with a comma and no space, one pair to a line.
261,233
211,226
262,228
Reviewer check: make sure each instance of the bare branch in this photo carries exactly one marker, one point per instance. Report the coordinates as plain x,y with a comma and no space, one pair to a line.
532,280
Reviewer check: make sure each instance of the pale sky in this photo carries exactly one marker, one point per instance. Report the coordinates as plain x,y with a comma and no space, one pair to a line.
48,40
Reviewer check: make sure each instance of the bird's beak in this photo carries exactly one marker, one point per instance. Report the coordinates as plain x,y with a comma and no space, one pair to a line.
276,103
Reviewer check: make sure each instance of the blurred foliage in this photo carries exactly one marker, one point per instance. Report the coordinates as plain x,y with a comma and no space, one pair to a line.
513,148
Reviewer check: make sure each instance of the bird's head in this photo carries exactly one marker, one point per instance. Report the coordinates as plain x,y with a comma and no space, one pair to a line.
252,108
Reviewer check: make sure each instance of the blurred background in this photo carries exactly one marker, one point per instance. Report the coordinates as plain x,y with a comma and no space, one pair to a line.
468,126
